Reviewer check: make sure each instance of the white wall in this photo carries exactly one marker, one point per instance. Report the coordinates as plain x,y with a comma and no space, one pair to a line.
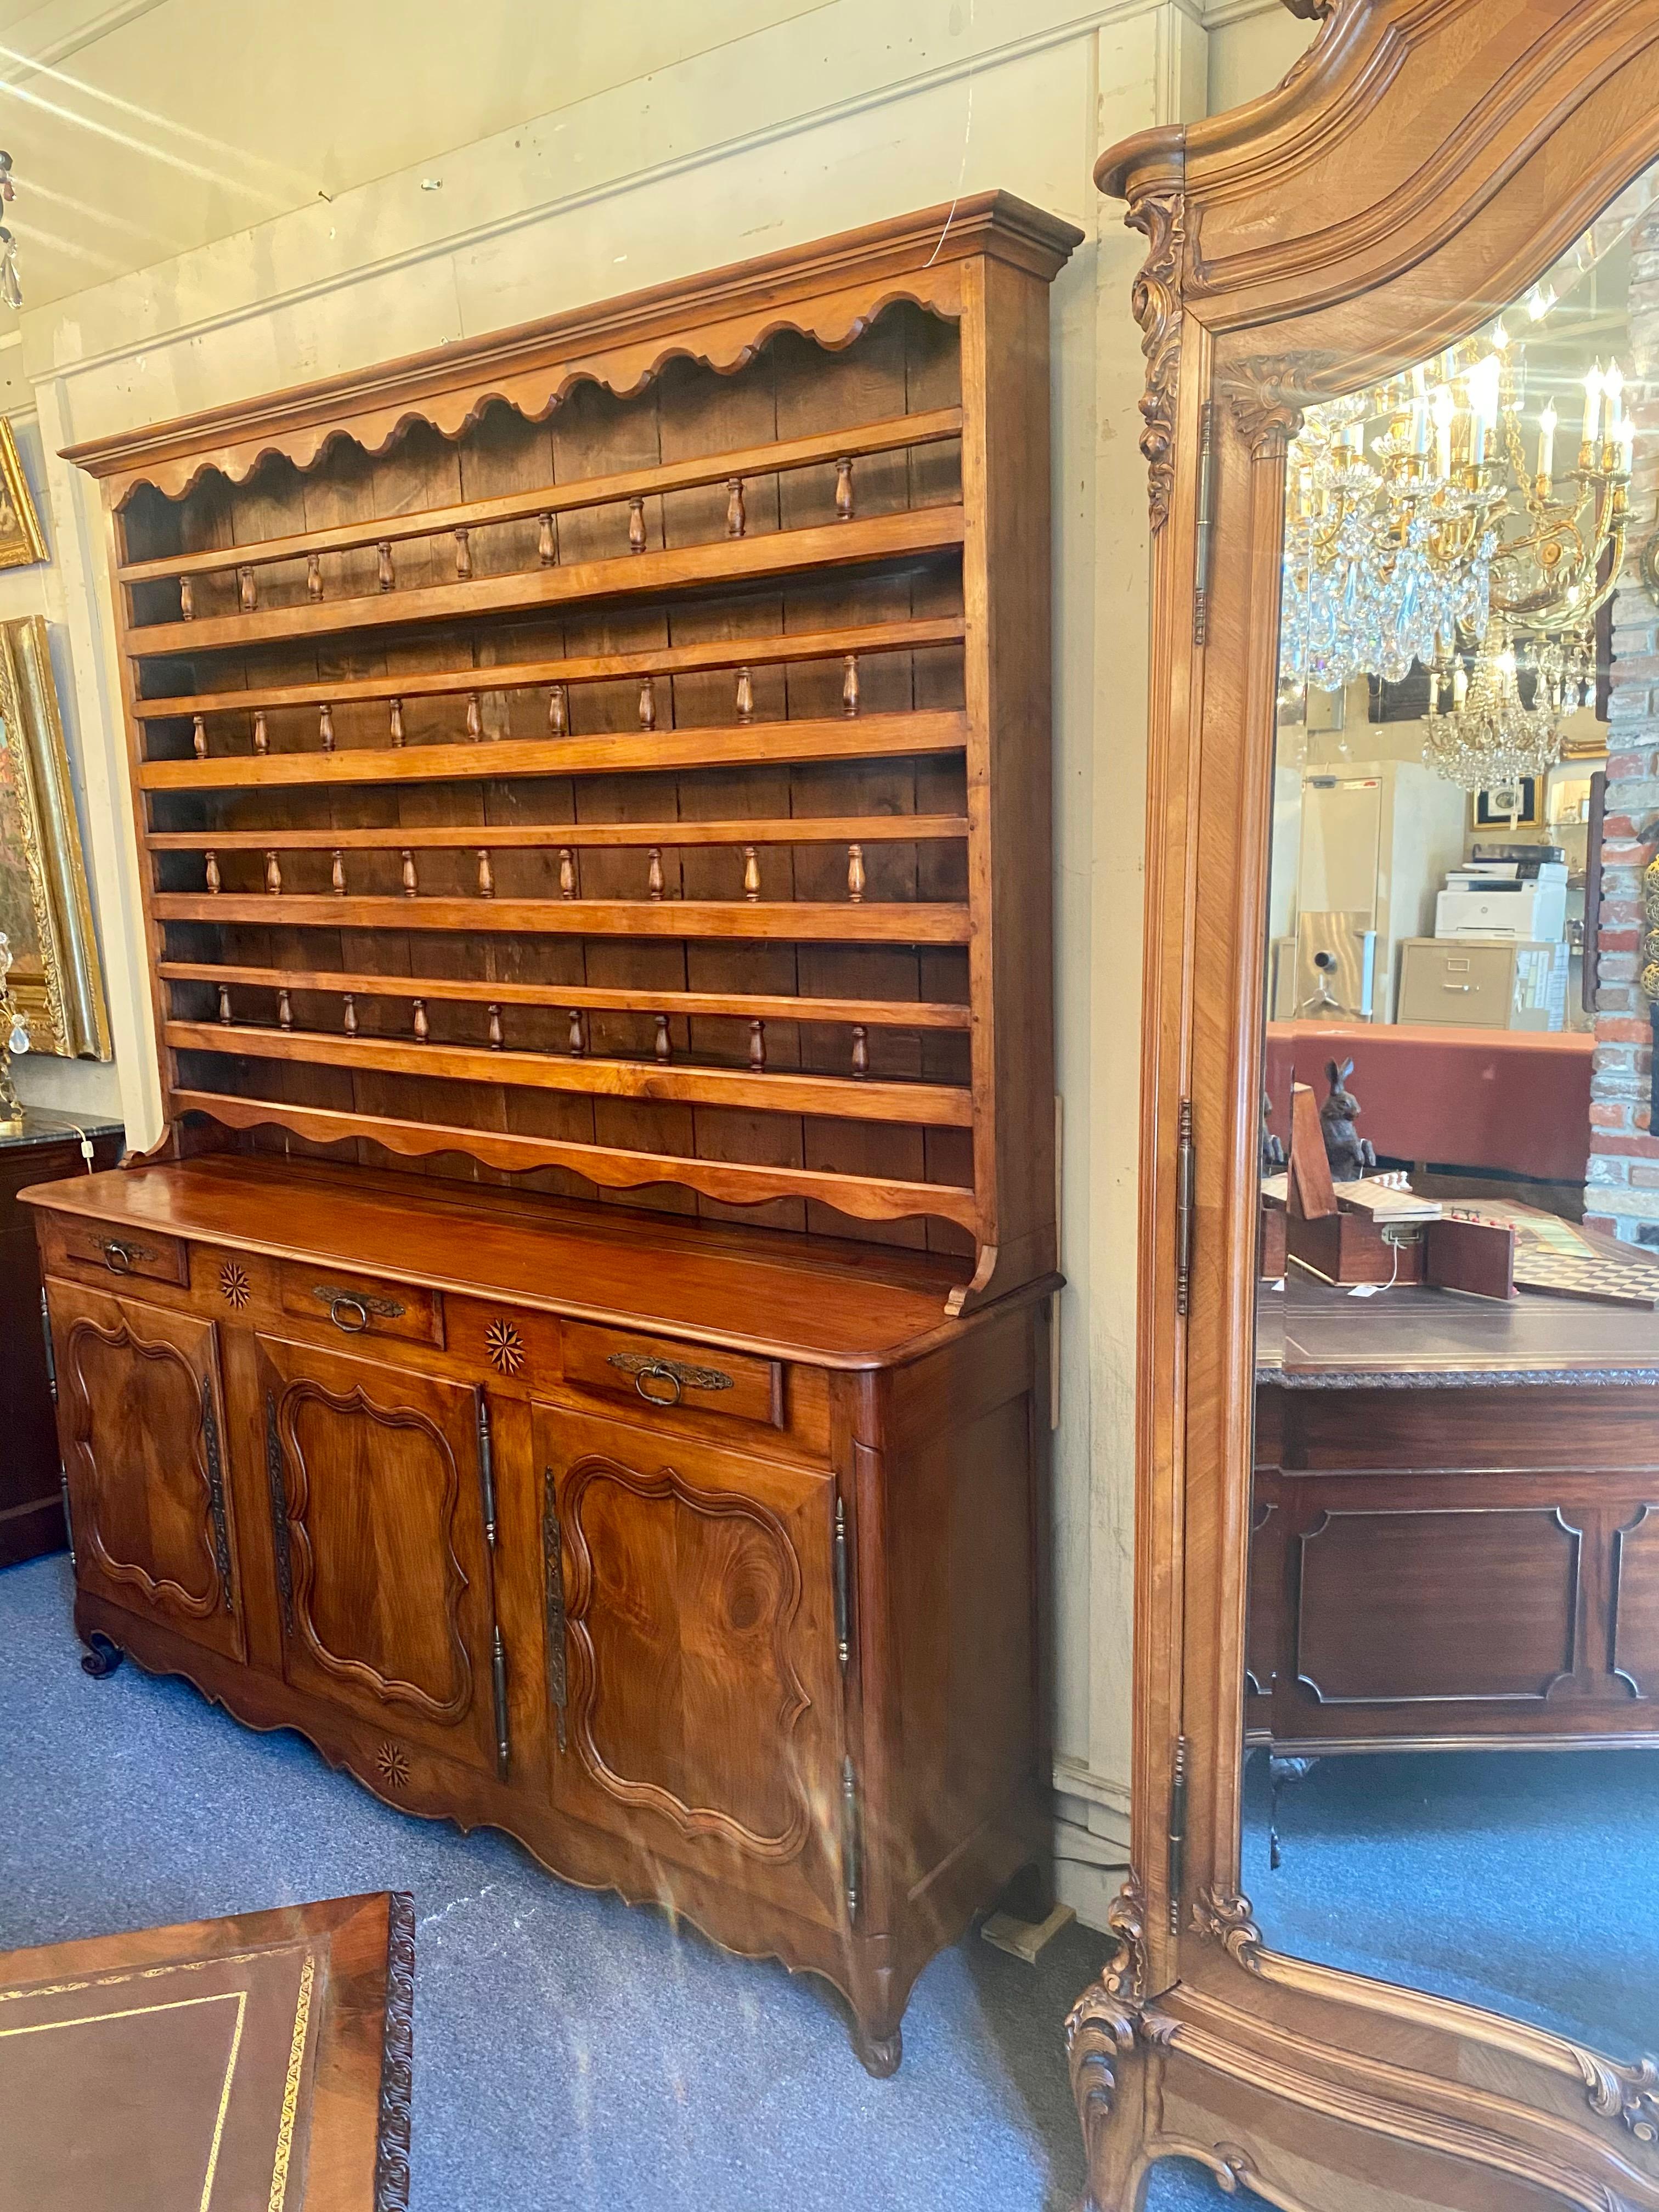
796,120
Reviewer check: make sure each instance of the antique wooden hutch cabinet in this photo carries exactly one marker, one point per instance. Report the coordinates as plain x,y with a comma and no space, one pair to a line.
579,1353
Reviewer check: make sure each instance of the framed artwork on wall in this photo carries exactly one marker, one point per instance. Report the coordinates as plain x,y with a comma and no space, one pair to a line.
45,909
1507,806
22,541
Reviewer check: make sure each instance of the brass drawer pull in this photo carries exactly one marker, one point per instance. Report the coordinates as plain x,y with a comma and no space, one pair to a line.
644,1369
118,1258
361,1302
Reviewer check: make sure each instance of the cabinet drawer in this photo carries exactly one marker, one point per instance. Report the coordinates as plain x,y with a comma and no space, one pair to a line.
662,1371
360,1305
113,1248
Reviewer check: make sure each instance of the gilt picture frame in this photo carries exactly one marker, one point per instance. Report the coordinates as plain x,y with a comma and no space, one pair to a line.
22,541
45,907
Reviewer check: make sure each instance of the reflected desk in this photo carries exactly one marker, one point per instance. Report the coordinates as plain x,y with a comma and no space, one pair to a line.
1455,1522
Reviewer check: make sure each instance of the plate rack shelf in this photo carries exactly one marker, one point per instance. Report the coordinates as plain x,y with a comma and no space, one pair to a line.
615,754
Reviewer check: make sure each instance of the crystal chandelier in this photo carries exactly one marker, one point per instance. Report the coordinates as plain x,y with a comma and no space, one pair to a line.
1553,571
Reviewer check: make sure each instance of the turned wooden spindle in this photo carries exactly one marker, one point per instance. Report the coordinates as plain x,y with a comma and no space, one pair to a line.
247,595
350,1015
844,488
474,715
422,1027
745,695
750,874
636,525
336,875
313,575
284,1010
737,517
547,551
496,1039
224,1004
212,872
410,885
758,1046
261,734
558,712
849,684
397,722
653,873
861,1052
578,1033
198,737
567,872
325,727
486,875
855,873
273,875
664,1049
186,599
383,565
462,557
648,704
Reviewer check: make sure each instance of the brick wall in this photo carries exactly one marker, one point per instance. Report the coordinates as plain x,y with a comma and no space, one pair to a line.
1622,1188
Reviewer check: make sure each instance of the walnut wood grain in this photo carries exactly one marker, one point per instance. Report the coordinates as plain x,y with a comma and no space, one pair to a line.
910,924
795,829
724,562
863,638
903,431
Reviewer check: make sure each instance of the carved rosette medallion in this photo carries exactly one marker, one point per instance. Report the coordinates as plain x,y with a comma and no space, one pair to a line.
504,1348
233,1284
1156,300
392,1766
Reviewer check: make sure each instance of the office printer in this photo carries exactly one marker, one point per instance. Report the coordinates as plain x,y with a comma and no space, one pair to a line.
1506,891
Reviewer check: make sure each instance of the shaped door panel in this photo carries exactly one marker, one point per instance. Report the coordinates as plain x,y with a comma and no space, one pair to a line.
141,1420
382,1563
691,1635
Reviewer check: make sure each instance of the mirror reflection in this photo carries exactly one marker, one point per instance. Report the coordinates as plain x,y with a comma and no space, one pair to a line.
1452,1680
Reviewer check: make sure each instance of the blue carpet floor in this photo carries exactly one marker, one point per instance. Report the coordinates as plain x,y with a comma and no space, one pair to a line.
569,2051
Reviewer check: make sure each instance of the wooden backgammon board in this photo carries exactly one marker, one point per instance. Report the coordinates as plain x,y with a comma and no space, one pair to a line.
259,2063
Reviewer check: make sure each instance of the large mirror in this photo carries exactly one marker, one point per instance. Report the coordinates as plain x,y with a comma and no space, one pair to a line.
1452,1682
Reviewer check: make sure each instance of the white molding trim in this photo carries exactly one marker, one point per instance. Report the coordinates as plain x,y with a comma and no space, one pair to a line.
1085,23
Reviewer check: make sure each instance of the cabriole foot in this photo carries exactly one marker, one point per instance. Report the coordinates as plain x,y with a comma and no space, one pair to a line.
878,2055
102,1655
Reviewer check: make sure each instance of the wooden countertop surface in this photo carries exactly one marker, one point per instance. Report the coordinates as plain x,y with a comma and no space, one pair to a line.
1316,1335
836,1303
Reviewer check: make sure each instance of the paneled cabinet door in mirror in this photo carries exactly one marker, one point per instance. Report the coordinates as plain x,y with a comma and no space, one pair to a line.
1398,1594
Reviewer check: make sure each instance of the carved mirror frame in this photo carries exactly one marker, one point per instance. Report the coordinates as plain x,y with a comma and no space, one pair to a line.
1425,155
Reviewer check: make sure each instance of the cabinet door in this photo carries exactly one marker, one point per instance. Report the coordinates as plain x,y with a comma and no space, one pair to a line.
141,1419
691,1636
378,1514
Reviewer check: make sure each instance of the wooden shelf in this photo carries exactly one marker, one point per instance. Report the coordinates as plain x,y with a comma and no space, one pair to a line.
896,434
865,1198
797,920
724,562
868,1013
791,829
758,651
927,1105
848,738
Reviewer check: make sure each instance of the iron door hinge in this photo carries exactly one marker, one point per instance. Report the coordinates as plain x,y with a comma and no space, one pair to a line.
215,1472
1186,1177
486,1468
843,1602
498,1676
51,1357
277,1490
553,1573
852,1840
1205,545
1177,1837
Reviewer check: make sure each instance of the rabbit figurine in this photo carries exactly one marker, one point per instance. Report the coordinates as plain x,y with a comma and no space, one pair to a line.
1351,1156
